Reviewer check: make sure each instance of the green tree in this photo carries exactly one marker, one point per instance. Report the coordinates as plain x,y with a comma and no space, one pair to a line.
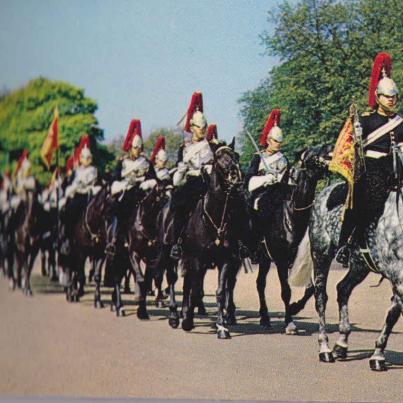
26,114
326,50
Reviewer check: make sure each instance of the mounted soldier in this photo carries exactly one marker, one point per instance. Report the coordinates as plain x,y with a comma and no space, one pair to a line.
380,137
133,176
194,159
78,193
267,172
159,158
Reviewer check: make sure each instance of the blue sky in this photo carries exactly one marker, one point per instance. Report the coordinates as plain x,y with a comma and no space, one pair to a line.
140,58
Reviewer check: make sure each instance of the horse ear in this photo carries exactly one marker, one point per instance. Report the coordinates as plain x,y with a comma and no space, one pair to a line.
232,144
298,153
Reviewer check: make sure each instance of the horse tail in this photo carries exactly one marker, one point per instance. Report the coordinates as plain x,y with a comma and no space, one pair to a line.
300,272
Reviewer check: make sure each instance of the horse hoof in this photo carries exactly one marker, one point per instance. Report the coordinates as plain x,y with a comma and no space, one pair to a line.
223,334
142,314
120,313
187,325
98,304
291,329
159,303
28,293
201,310
377,365
326,357
173,322
339,352
265,322
113,308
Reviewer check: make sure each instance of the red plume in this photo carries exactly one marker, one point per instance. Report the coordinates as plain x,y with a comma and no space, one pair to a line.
272,120
159,144
134,128
211,132
196,104
24,155
382,61
84,142
70,163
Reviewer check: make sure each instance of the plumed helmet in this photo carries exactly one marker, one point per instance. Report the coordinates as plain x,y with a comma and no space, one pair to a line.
212,133
83,150
194,114
271,128
133,137
381,82
21,160
198,120
25,166
276,134
85,153
159,152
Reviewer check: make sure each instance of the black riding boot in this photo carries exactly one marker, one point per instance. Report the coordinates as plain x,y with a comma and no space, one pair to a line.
110,248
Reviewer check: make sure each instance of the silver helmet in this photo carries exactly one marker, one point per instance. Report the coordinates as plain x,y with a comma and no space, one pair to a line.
276,134
387,86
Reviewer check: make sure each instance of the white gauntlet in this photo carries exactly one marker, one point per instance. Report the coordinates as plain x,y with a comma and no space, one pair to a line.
148,184
258,181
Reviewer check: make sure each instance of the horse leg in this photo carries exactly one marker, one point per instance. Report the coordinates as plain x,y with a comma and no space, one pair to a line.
377,360
117,305
44,270
355,276
321,270
52,266
159,299
264,267
298,306
201,309
282,271
172,277
30,265
187,313
97,268
222,330
126,288
230,305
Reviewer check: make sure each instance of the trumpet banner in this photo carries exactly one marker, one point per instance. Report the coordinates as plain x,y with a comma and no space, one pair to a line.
343,159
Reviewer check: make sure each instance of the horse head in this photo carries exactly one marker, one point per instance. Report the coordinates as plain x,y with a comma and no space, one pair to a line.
226,165
311,162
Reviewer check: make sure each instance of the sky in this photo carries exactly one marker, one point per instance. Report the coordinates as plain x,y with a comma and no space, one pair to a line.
141,58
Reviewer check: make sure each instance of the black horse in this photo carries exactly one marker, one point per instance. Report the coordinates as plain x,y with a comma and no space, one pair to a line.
284,224
211,238
88,242
28,232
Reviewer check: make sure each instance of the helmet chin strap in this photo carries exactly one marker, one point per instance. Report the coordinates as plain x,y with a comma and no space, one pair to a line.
385,107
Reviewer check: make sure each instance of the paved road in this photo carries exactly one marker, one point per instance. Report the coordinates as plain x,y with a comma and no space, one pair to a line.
51,348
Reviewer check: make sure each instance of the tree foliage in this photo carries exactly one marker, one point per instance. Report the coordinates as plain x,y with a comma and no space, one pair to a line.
26,114
326,50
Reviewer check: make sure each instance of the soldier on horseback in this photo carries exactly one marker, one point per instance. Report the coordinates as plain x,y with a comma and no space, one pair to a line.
194,159
267,170
382,143
133,176
77,194
159,158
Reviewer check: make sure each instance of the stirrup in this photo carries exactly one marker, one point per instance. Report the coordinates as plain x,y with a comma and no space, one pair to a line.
176,251
65,248
110,249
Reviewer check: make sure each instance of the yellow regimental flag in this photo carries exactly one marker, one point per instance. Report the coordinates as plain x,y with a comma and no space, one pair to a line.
51,143
343,160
